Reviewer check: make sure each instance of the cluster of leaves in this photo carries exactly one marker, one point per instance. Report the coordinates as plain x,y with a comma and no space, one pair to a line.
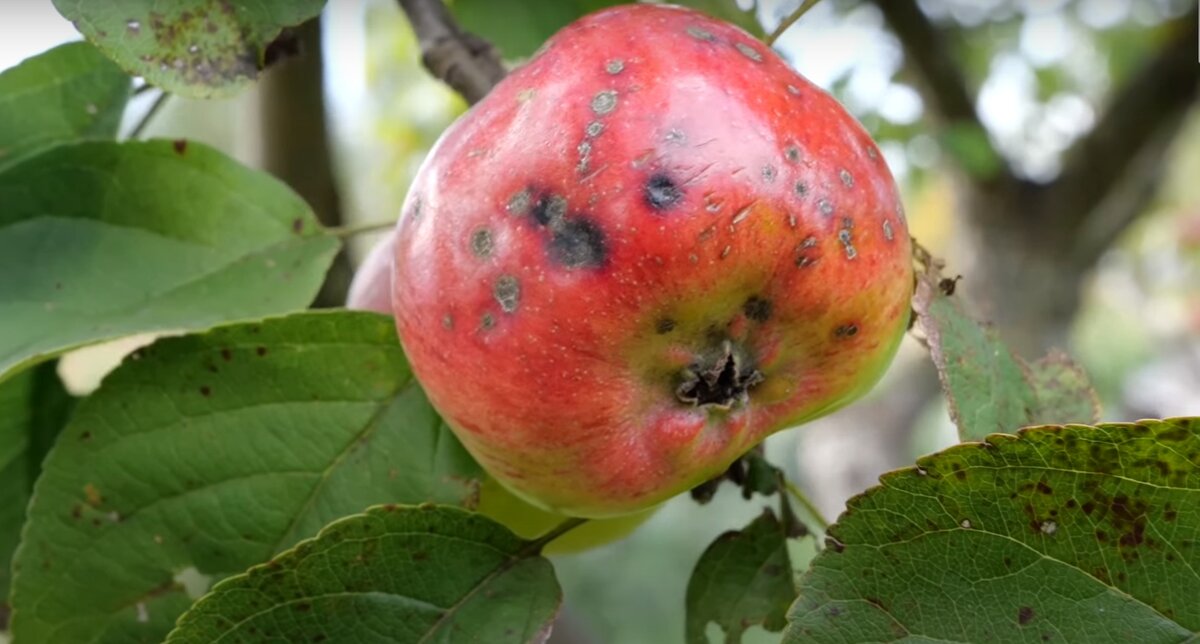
292,455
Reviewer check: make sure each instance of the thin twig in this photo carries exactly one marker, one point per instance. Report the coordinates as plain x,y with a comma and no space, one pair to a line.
813,513
790,20
558,531
138,129
464,61
359,229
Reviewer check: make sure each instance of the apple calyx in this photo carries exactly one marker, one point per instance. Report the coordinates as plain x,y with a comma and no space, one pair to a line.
720,380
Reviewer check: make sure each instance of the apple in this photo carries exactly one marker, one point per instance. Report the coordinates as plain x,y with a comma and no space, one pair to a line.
370,290
647,249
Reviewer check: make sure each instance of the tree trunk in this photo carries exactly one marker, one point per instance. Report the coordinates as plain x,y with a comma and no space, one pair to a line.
296,145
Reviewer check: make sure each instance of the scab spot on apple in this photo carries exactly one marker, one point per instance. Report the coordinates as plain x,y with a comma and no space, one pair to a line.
887,230
792,154
846,237
481,242
846,177
844,331
661,192
447,321
664,326
801,189
700,33
768,173
594,129
507,291
604,102
518,204
615,66
578,243
549,209
825,206
749,52
487,321
758,308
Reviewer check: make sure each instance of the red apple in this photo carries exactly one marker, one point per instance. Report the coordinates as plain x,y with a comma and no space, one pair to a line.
646,250
371,291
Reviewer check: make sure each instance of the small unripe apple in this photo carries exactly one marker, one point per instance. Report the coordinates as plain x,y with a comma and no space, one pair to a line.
644,251
370,290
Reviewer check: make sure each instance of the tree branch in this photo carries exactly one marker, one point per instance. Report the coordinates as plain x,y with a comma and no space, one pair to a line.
1130,138
464,61
942,82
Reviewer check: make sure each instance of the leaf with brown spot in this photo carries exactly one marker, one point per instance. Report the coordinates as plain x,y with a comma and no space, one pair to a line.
1065,394
1092,533
195,48
476,582
989,389
170,479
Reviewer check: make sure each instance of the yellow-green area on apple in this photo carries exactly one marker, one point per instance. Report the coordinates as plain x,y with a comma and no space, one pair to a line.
530,522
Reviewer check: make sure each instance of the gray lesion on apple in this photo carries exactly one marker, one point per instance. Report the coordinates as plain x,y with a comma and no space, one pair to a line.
722,379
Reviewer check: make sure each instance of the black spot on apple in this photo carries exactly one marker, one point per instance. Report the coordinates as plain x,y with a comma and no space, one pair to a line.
846,331
549,209
664,326
758,308
577,243
661,192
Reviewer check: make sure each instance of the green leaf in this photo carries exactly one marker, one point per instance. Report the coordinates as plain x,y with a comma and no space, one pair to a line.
1075,534
990,389
196,48
206,454
744,578
518,29
69,93
102,240
1064,392
34,406
395,574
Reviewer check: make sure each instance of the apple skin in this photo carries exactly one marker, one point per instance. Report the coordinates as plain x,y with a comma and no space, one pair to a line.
370,290
643,252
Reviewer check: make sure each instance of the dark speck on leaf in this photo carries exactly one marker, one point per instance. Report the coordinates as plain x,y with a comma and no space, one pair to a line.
661,192
180,146
261,351
297,225
1024,615
205,391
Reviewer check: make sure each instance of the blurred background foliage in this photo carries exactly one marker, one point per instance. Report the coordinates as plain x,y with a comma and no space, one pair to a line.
1040,76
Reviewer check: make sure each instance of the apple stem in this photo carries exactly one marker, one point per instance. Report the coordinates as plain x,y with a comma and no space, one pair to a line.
558,531
358,229
809,507
790,20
